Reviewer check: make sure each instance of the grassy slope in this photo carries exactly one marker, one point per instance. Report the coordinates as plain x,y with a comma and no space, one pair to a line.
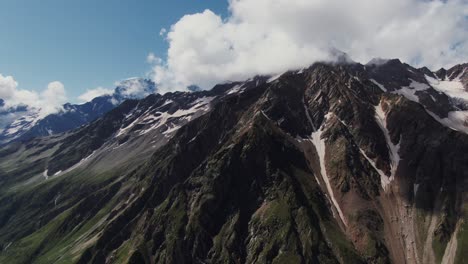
56,241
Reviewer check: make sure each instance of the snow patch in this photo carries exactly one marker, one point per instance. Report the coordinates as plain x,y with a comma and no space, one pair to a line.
125,129
415,189
456,120
120,145
410,91
379,85
274,78
76,165
7,246
161,118
319,144
200,105
452,88
171,129
265,115
384,179
56,199
203,101
393,149
168,101
308,115
150,118
236,89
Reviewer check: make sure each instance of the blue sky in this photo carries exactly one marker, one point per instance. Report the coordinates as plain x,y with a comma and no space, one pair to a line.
86,43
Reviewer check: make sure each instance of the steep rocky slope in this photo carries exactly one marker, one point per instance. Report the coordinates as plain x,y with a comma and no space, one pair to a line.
342,163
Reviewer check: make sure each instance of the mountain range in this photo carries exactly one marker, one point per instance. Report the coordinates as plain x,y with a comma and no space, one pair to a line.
334,163
23,123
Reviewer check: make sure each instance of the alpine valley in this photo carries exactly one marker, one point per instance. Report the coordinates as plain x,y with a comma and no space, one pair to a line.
335,163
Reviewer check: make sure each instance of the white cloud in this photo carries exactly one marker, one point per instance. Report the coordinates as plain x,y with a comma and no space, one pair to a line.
90,94
162,32
52,98
46,102
270,36
134,88
153,59
7,86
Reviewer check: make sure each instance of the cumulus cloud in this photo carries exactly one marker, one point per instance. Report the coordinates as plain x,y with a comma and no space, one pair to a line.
90,94
52,98
7,86
271,36
134,88
162,32
48,101
153,59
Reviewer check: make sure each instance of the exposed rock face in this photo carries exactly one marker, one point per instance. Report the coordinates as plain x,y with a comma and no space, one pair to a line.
340,163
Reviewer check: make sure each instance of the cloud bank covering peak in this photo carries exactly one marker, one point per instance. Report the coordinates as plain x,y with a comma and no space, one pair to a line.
90,94
271,36
50,100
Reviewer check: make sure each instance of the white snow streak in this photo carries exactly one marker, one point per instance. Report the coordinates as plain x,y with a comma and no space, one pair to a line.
236,89
171,129
124,129
379,85
381,118
274,78
76,165
319,144
384,179
415,189
168,101
7,246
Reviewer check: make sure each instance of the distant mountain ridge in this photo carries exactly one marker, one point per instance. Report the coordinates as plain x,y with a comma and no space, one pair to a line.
22,123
